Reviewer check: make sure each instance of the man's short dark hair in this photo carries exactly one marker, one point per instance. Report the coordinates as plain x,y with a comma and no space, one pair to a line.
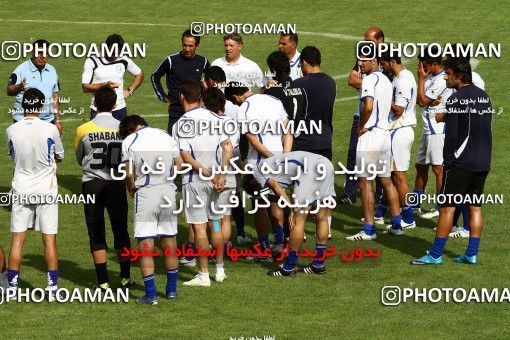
33,100
234,36
129,124
105,99
187,34
292,37
311,55
235,89
190,90
215,73
379,35
460,67
41,43
279,64
214,100
388,56
114,39
428,57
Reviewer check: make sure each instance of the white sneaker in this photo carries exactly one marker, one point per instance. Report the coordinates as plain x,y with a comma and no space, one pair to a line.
4,281
431,214
188,263
407,225
198,281
243,240
416,210
460,232
398,232
361,236
377,220
220,275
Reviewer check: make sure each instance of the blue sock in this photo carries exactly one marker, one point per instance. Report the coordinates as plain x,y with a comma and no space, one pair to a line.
419,192
150,286
369,229
191,245
437,205
171,280
290,260
278,234
381,209
52,277
318,261
264,242
465,216
395,222
407,214
472,249
13,277
437,249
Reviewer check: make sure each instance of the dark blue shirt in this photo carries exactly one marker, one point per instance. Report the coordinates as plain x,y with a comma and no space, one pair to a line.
468,130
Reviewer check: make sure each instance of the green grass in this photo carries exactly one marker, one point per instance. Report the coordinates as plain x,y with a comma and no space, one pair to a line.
344,303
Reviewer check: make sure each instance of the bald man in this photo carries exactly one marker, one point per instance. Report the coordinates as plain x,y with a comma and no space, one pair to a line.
376,35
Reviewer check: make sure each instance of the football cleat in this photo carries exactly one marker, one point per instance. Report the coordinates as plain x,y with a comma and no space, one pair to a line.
393,231
311,269
242,240
361,236
126,283
459,232
281,272
188,263
405,225
377,220
197,281
144,300
220,276
431,214
416,210
466,259
427,259
172,296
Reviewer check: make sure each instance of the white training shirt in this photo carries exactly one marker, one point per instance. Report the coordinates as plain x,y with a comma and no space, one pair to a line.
477,80
264,108
295,66
149,146
99,70
435,86
404,95
377,86
205,145
243,71
34,144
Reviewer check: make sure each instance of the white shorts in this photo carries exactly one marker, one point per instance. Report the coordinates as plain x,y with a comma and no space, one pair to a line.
44,218
199,199
430,150
151,219
374,148
308,188
401,143
224,199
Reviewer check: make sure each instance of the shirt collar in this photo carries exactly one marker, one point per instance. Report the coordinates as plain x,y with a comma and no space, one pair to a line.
31,117
237,62
34,68
103,114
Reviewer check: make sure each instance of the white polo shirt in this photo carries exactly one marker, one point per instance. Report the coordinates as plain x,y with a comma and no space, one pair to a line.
435,86
295,66
99,70
34,144
477,80
243,70
377,86
404,95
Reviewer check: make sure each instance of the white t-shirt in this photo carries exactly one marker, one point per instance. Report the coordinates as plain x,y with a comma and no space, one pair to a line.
377,86
263,108
435,86
477,80
205,146
99,70
34,144
404,95
149,146
295,66
243,71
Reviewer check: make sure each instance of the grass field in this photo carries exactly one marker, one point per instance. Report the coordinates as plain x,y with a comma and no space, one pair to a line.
344,303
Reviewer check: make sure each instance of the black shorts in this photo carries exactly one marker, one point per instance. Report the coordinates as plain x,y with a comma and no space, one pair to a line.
109,195
463,184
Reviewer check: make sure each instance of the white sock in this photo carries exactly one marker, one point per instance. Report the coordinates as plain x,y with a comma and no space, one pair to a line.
329,224
203,276
219,266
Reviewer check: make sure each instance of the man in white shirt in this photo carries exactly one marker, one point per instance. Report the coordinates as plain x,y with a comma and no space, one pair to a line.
373,149
109,70
35,146
204,151
237,67
402,123
288,45
146,146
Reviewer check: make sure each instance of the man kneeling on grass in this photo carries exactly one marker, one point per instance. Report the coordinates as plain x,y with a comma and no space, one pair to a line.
312,177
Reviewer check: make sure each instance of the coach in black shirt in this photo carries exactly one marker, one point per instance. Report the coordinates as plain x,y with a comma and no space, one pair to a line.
467,157
320,93
179,67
